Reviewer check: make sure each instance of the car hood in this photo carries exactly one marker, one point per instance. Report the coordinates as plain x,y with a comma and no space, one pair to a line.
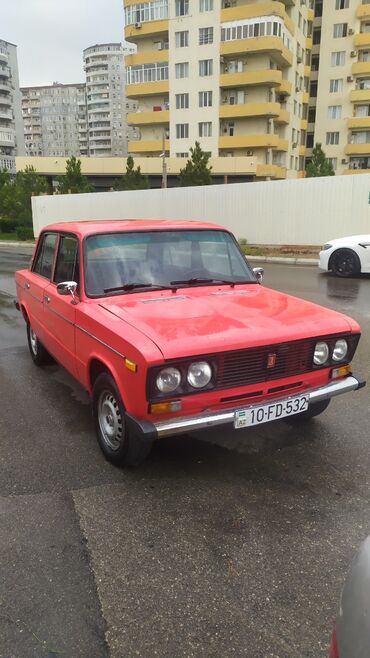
349,241
198,321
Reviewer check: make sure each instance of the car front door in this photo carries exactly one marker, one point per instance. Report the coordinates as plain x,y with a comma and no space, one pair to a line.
38,279
60,311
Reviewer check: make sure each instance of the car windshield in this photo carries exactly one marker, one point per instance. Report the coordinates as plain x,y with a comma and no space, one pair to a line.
118,263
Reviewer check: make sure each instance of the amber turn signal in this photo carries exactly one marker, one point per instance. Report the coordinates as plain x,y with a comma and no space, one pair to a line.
343,371
165,407
131,365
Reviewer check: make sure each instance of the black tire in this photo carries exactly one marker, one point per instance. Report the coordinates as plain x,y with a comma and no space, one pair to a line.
344,263
314,409
118,444
40,356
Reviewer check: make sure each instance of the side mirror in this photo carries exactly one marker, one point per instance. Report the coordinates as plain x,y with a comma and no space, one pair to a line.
68,288
259,272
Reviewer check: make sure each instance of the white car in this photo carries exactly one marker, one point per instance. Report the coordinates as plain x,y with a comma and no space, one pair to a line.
346,256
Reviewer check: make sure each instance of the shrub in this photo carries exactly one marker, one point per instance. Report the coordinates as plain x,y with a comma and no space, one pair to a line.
24,233
8,225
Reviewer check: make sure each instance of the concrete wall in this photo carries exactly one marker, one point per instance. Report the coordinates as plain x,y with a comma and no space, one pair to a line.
307,211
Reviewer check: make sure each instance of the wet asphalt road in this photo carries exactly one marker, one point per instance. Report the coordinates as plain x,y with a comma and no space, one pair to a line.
220,545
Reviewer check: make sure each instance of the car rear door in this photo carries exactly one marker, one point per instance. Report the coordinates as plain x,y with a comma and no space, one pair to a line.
60,311
38,279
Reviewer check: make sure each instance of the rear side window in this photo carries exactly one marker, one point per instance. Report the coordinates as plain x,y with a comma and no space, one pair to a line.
43,264
67,266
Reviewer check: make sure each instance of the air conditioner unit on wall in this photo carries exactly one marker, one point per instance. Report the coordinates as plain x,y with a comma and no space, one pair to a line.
351,31
353,53
349,78
137,25
344,161
250,152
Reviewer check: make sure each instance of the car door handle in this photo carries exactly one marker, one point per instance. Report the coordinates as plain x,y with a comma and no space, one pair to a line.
27,285
47,299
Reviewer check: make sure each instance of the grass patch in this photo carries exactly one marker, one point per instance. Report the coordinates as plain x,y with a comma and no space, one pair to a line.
8,236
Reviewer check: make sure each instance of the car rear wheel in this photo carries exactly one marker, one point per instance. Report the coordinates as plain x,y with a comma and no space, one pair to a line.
118,444
314,409
345,262
39,354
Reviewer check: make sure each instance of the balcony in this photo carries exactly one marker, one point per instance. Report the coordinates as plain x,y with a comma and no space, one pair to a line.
4,57
4,72
147,57
148,146
361,68
273,46
228,111
362,40
148,118
6,100
148,89
308,43
283,118
9,140
271,8
5,88
363,12
359,95
270,171
305,97
285,88
146,29
6,114
357,149
248,141
302,150
359,122
269,78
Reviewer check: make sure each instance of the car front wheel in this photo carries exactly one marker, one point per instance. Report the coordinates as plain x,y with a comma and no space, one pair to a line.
345,262
118,444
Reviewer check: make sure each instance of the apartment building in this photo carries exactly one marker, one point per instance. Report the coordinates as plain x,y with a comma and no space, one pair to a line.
339,104
107,108
51,119
231,74
11,127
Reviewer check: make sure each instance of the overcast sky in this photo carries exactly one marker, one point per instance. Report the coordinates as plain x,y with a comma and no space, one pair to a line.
51,35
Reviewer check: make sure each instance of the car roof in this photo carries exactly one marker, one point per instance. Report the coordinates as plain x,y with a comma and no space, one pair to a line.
91,227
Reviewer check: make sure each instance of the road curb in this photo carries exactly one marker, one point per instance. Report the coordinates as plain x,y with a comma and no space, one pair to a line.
312,262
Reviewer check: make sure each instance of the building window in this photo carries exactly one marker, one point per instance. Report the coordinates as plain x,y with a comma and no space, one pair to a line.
343,4
205,35
205,67
182,101
182,7
251,28
340,30
182,155
333,162
310,138
205,129
205,99
362,137
205,5
336,86
316,36
313,89
182,130
334,111
182,39
362,110
338,58
182,70
332,138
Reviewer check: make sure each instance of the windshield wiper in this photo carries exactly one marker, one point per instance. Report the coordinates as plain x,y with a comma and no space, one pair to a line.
200,280
133,286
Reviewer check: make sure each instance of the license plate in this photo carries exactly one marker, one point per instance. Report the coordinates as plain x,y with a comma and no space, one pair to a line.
273,411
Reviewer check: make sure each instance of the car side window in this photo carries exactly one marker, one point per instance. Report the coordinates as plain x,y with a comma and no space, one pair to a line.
43,264
67,265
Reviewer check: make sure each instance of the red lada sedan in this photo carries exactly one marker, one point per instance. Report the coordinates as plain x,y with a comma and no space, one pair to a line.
170,331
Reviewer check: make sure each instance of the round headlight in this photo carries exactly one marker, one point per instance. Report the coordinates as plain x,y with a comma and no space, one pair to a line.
321,354
199,374
340,350
168,380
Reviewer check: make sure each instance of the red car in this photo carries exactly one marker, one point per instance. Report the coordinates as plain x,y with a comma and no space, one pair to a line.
170,331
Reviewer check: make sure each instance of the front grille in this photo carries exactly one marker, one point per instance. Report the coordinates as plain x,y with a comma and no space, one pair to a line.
251,366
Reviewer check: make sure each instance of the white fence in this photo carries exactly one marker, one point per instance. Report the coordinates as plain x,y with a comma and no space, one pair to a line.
301,212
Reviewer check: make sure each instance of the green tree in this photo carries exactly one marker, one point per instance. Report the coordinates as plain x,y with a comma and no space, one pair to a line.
319,165
5,193
133,179
28,183
196,171
73,182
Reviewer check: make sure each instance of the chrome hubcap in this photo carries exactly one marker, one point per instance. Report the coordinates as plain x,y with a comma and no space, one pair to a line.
110,420
33,341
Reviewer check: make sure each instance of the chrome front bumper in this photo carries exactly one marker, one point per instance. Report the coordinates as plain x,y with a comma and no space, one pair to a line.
206,419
